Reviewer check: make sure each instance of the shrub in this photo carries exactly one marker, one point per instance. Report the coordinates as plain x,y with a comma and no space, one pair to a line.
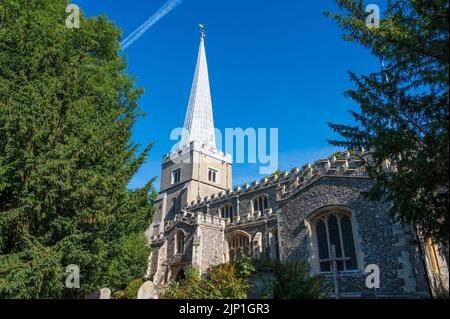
292,281
130,292
188,288
245,266
220,282
283,280
224,282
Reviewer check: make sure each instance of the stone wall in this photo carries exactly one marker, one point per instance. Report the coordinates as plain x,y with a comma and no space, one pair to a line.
211,246
186,256
377,240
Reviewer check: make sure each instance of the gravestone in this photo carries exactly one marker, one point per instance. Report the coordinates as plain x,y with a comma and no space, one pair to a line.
147,291
105,293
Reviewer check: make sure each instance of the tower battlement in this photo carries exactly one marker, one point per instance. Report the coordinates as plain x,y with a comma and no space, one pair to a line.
338,164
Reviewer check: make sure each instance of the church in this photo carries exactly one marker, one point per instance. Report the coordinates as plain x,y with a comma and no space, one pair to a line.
314,214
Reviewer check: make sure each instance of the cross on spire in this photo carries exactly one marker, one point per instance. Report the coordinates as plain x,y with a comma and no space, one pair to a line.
202,31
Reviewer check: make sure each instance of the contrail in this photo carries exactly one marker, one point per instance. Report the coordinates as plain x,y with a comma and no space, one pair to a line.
139,32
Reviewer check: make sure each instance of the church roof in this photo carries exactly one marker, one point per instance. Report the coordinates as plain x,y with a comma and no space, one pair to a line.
198,123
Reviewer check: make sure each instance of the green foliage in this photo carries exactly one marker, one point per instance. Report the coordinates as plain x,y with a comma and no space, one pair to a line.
223,282
191,287
245,266
129,260
130,292
337,155
220,282
404,109
66,157
292,281
287,280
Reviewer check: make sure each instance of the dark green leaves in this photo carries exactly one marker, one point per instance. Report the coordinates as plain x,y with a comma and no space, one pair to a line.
404,109
66,156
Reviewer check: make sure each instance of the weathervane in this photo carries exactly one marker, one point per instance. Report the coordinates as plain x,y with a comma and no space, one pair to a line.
202,31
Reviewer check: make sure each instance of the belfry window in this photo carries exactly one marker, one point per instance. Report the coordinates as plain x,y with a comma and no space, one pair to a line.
180,239
176,176
238,244
260,204
213,175
335,230
227,211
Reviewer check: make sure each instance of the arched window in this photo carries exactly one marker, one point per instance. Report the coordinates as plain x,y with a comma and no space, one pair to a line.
227,211
238,244
335,230
180,239
260,204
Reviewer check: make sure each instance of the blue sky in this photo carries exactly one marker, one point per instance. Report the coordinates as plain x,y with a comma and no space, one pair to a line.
271,63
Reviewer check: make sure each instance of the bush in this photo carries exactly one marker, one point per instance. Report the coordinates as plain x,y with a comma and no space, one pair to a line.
130,292
245,266
129,261
220,282
224,282
262,278
292,281
189,288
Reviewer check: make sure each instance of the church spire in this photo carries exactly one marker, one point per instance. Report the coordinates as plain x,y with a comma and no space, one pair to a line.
198,123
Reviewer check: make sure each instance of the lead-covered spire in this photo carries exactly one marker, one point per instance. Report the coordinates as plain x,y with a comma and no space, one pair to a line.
198,123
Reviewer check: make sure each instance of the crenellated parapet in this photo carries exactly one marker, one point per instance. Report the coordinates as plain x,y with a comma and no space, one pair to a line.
194,219
341,164
265,182
338,164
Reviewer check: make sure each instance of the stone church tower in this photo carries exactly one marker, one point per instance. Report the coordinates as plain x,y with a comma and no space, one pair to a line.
194,170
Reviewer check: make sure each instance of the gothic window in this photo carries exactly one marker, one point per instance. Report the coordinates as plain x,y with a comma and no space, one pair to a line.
176,176
335,230
260,204
180,239
238,244
227,211
213,175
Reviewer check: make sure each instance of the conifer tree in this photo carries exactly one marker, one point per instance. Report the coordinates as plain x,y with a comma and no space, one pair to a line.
403,115
67,108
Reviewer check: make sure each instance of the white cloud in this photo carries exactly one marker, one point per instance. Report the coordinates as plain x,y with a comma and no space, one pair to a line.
158,15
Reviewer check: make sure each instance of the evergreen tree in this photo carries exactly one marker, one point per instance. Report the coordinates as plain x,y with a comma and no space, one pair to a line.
403,115
66,157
